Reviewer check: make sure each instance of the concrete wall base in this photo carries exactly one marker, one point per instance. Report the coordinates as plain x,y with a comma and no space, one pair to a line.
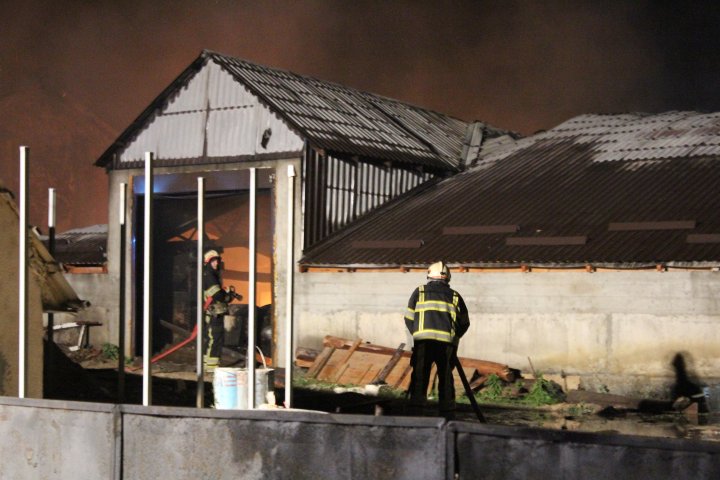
47,439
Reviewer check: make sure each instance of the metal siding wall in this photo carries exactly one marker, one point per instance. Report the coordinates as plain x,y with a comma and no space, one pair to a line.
225,92
169,136
231,132
234,127
338,191
282,139
192,97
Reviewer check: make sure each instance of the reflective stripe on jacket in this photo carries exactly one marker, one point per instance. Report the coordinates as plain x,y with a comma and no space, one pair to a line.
212,288
437,312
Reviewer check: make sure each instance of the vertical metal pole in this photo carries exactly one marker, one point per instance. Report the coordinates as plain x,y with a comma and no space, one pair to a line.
22,274
121,313
199,320
147,283
289,330
251,294
51,248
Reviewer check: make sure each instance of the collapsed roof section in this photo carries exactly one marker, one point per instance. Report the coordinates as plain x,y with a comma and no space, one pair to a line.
56,293
223,109
623,191
86,247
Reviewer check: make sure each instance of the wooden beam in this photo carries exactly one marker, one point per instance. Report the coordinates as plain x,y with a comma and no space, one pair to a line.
320,362
346,361
382,375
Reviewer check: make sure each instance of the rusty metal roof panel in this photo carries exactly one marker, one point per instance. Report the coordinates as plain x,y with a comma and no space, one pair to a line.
557,190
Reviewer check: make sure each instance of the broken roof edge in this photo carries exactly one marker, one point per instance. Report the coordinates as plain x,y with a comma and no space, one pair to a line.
604,125
56,293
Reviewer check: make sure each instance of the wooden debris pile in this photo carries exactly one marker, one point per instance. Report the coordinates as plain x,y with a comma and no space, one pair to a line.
348,362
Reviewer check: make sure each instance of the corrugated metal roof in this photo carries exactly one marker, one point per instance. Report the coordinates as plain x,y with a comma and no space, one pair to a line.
330,116
81,247
571,182
636,136
341,119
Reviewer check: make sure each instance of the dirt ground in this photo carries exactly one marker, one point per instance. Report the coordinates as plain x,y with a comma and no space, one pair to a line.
86,375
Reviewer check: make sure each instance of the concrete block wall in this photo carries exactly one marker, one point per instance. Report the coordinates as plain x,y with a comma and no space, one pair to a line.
617,330
491,452
101,289
49,440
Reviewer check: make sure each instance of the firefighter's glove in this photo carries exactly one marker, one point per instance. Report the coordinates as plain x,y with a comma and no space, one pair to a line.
232,294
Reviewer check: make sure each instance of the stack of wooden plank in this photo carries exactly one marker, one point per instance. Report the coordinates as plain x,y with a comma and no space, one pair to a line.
348,362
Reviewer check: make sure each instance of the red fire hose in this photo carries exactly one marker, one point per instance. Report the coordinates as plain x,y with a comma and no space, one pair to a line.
172,349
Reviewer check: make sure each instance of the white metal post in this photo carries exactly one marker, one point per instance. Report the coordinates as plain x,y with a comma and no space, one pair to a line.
199,320
289,330
251,294
147,283
23,274
51,249
51,208
121,294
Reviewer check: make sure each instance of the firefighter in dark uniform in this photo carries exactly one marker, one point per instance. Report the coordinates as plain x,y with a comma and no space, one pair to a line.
436,317
215,307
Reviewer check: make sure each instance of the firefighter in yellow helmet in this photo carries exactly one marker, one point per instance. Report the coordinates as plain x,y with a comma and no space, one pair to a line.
436,318
215,306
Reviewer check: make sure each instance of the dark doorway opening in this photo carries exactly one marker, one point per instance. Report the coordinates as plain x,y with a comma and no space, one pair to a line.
174,261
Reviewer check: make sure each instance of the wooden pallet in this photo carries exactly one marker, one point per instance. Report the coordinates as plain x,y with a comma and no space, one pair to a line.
348,362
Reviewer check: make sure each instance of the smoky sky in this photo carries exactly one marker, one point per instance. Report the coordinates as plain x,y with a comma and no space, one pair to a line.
519,65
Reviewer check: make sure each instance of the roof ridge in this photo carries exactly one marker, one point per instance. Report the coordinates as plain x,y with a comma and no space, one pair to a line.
332,83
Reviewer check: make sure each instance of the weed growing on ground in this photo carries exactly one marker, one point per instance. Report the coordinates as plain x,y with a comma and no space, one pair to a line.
110,351
541,393
493,390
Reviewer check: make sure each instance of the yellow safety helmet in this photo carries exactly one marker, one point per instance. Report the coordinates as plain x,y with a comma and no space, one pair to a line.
210,255
438,271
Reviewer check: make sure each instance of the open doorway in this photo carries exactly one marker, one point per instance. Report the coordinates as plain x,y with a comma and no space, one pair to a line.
175,261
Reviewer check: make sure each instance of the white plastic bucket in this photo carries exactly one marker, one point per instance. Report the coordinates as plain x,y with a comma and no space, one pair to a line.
225,387
230,387
264,386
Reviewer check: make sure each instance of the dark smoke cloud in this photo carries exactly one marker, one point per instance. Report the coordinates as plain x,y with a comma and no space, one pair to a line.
522,65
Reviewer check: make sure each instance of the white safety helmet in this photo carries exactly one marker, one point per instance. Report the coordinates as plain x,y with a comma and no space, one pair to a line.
210,255
439,271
